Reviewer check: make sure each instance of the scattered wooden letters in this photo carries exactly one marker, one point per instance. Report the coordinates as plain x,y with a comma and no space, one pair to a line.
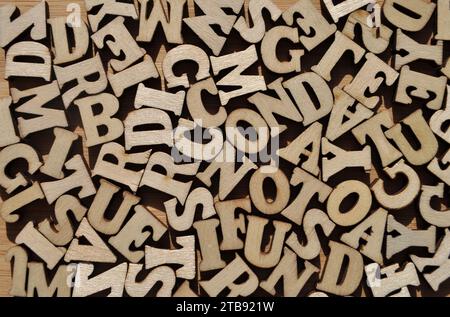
226,147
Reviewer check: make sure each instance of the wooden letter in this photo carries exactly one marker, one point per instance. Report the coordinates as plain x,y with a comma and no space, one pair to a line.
372,129
166,182
251,140
18,271
256,33
443,21
198,197
185,257
446,70
214,14
18,201
186,52
415,51
440,119
80,72
136,120
293,282
62,49
11,29
269,47
24,69
99,207
110,7
269,206
376,40
229,176
42,118
113,279
440,260
428,143
198,109
12,153
403,197
120,42
311,112
170,21
310,138
37,281
154,98
369,78
230,225
358,211
420,9
240,61
313,24
91,121
434,217
435,168
162,274
209,245
253,242
191,141
133,75
7,132
311,249
394,280
376,223
227,277
79,178
342,119
185,291
136,232
281,106
116,171
340,46
353,272
343,159
60,231
406,238
96,251
310,186
344,7
37,243
55,160
425,87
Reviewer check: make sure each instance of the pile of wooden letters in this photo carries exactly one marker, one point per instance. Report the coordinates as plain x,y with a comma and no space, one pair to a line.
322,166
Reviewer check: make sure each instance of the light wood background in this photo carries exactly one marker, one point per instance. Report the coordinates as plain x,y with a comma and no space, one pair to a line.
58,8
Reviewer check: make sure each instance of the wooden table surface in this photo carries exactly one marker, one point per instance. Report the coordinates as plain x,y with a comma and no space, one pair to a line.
58,8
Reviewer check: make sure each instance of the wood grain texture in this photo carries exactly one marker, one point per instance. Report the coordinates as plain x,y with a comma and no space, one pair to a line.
58,8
